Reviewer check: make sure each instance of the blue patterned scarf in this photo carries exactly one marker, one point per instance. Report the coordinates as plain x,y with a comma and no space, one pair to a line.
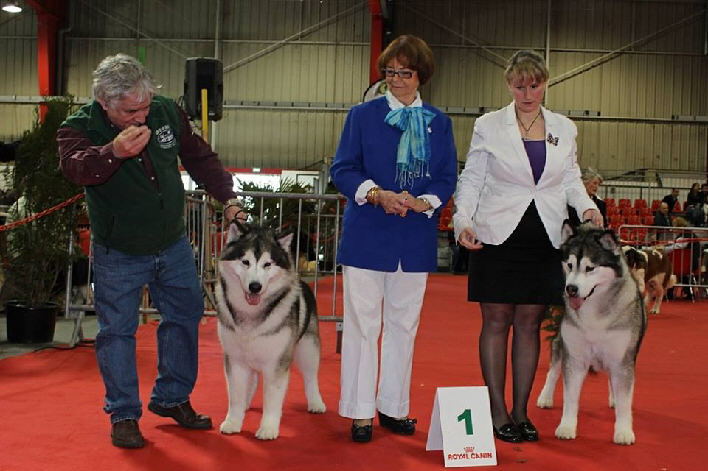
413,158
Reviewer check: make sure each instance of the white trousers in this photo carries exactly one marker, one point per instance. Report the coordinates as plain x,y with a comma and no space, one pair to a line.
365,291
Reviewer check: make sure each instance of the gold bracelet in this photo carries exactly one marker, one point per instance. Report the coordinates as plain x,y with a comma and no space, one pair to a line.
427,204
372,196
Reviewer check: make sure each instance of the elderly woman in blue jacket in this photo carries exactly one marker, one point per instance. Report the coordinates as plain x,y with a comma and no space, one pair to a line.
396,163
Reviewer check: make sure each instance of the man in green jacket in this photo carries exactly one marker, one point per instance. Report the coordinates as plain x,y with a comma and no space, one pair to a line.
123,147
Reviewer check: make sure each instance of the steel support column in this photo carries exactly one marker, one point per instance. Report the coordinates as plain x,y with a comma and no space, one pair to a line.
376,39
49,14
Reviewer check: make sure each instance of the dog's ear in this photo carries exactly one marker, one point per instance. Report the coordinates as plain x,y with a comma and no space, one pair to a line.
285,240
608,241
567,231
236,230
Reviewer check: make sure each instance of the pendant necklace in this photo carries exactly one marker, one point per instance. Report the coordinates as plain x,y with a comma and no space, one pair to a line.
527,129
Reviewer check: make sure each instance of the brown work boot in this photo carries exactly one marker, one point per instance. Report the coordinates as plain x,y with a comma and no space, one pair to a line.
126,434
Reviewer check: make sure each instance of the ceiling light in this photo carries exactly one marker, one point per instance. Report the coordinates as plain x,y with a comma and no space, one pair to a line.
11,7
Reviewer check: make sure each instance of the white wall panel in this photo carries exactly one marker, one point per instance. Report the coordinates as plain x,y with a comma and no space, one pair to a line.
314,51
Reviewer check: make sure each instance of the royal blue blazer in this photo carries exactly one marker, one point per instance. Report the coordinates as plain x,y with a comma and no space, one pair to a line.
372,239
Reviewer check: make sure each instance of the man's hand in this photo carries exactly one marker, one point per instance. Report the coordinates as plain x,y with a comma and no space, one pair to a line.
235,211
131,141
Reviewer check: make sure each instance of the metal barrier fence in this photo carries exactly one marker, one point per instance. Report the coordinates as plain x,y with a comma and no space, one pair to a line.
686,247
314,219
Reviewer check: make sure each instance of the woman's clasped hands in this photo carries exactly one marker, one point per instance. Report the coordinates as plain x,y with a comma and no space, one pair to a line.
400,203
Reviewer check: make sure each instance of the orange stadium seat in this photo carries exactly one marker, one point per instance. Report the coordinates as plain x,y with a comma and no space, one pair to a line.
655,204
640,203
625,203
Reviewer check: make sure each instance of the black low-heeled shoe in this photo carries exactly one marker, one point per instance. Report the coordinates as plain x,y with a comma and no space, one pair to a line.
361,433
528,431
399,426
508,433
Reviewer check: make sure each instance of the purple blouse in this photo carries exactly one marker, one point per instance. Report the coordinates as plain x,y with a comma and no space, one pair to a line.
536,151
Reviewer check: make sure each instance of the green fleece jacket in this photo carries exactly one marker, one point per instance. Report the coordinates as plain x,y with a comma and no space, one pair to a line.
129,212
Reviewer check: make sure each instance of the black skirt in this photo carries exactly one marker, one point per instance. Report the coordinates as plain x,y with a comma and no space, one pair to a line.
525,269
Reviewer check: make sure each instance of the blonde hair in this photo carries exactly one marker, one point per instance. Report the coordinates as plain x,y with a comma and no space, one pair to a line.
526,64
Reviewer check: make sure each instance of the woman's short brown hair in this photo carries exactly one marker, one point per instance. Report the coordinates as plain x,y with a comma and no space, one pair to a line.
411,51
524,64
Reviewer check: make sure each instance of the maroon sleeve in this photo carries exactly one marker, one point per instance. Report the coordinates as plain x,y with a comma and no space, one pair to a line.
203,164
82,162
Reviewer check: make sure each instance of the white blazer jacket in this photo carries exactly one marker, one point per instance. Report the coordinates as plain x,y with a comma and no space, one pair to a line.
497,185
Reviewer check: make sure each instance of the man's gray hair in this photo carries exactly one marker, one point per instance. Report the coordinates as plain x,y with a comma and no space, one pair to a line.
120,75
588,174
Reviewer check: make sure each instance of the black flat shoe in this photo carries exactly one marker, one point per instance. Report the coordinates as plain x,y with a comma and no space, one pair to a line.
528,431
361,433
508,433
399,426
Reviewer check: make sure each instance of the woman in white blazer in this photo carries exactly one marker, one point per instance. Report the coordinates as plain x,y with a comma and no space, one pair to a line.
510,203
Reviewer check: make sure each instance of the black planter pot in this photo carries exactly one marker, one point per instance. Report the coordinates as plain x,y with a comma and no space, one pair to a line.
30,324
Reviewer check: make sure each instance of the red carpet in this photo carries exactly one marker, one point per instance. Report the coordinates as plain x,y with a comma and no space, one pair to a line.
50,404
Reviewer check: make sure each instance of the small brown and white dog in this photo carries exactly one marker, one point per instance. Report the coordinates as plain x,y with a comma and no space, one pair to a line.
653,271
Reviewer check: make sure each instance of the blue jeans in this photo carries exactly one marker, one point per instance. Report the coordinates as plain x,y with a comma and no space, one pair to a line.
175,292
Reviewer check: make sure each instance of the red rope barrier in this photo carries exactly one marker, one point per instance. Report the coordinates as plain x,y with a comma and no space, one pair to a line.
59,206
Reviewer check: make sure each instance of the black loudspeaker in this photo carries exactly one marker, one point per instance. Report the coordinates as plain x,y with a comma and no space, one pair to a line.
199,73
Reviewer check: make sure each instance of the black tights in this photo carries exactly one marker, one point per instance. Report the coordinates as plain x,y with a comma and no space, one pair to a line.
496,321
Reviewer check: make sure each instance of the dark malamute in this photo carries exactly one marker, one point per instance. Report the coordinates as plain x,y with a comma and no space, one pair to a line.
602,328
267,319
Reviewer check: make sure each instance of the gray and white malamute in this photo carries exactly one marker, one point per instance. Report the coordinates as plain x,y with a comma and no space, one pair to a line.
602,327
267,319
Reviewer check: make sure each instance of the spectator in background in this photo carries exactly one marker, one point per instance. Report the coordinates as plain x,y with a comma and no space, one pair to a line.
695,196
695,199
662,218
684,273
671,199
704,193
592,181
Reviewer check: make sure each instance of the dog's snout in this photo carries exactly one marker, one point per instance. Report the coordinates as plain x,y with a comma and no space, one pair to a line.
255,287
572,290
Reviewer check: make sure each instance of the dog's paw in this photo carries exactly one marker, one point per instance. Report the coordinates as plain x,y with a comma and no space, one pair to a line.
316,406
229,426
565,432
544,401
623,436
267,433
268,430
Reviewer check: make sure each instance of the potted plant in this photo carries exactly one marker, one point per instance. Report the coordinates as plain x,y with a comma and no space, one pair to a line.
36,253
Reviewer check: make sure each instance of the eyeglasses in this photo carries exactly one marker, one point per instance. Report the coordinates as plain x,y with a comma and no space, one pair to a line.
403,73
